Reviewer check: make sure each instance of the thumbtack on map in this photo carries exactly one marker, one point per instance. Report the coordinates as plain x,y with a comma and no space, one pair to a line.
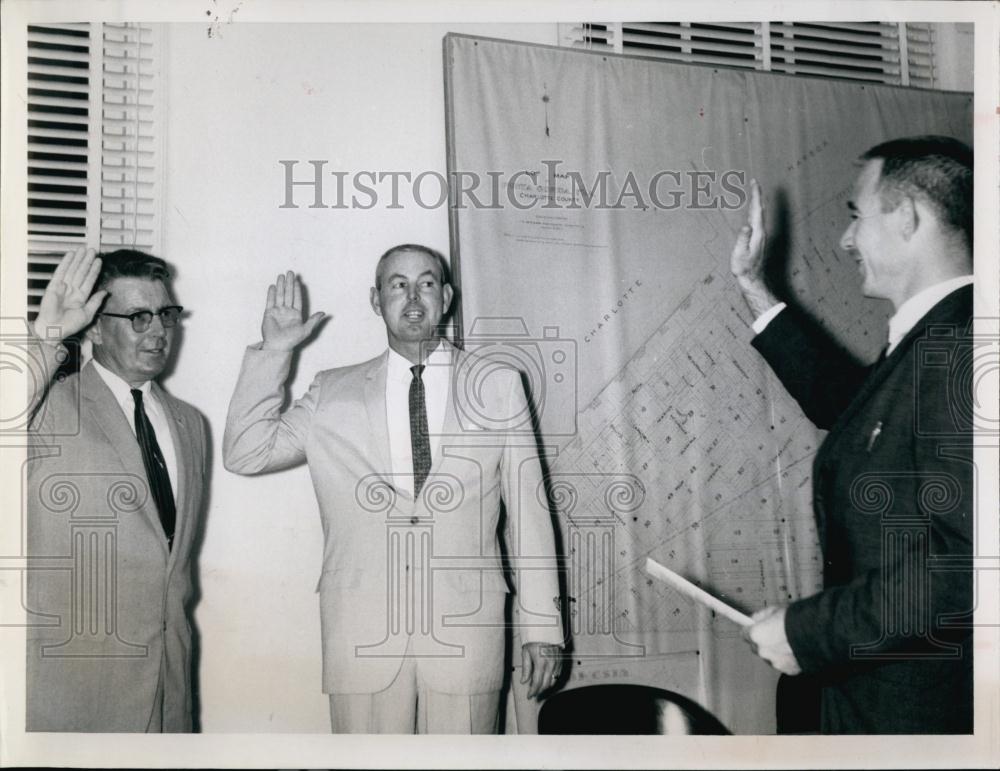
696,593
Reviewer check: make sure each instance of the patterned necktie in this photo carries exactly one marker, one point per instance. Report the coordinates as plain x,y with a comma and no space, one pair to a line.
420,441
156,469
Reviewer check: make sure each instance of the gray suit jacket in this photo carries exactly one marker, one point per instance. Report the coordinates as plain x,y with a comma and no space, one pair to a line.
106,597
421,577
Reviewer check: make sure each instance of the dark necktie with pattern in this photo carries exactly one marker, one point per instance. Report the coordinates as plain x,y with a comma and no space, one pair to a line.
420,441
156,468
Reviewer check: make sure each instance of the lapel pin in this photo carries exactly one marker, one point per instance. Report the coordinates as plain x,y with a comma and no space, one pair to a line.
874,436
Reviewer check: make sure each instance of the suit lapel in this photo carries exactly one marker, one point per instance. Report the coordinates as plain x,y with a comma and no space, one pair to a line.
181,436
949,310
109,418
374,397
876,376
955,308
451,428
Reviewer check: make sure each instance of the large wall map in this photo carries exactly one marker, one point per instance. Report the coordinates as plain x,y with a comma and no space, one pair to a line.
609,190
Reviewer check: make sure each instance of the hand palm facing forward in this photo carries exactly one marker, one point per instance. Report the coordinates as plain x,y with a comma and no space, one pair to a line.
283,327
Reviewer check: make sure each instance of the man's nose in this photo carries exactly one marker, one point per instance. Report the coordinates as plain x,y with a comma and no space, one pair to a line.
847,239
156,325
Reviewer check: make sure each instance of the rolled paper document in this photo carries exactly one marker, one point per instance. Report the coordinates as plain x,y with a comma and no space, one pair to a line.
696,593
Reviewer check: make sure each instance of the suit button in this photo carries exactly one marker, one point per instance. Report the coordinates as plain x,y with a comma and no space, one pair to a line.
414,520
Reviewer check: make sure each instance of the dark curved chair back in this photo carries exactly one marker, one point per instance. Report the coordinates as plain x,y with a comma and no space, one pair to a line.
621,709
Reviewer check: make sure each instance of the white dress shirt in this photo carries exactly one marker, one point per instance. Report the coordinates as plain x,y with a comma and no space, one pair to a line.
760,323
122,392
437,381
909,313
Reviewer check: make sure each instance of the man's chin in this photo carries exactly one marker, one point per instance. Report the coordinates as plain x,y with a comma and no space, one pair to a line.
416,335
153,371
872,293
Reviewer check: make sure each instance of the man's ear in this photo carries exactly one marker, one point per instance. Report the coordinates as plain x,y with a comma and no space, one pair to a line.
93,332
907,217
448,293
376,303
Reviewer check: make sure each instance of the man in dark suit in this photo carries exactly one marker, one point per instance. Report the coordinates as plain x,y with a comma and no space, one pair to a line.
889,638
115,482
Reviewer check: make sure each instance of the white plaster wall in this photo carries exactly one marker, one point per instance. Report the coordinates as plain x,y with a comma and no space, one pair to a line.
361,97
953,56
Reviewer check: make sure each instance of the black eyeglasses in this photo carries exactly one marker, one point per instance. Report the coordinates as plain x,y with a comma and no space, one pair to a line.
142,319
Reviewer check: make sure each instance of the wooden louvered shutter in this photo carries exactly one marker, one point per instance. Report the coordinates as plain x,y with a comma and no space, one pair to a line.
129,142
874,51
93,143
883,52
61,178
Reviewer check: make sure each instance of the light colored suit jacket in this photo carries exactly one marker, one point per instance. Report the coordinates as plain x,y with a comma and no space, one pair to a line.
107,600
424,576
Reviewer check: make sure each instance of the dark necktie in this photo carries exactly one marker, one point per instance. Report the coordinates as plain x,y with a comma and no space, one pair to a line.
420,441
156,468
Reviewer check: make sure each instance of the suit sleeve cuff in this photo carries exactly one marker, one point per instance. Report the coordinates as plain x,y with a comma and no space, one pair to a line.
801,628
761,322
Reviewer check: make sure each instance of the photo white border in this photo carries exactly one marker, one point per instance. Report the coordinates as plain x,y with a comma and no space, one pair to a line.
312,750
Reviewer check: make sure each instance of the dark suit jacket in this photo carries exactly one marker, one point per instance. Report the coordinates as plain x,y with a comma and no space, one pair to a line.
890,635
107,598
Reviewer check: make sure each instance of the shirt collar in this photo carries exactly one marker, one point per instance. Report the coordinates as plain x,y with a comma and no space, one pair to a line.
121,390
914,309
399,366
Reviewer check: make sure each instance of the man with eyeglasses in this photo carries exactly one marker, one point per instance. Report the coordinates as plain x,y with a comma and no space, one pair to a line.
116,474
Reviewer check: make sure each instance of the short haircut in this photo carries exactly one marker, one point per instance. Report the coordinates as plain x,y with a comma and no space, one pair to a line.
130,263
433,254
937,169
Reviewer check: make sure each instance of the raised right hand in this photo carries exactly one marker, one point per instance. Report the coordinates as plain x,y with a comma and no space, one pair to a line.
283,327
67,305
747,260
